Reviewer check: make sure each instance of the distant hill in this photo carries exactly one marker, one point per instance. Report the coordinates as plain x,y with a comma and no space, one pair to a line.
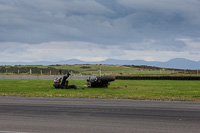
178,63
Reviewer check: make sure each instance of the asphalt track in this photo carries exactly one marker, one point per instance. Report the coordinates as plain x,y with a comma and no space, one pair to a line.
49,115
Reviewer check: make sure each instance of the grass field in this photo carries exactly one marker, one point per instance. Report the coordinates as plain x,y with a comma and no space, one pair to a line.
119,89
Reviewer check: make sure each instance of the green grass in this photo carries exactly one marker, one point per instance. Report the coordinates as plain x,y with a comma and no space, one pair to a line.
119,89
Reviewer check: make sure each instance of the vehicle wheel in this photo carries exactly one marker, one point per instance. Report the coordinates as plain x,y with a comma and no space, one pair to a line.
108,78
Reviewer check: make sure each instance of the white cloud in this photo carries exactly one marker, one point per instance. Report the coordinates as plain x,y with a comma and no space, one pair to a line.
91,21
191,44
86,51
93,30
53,51
165,6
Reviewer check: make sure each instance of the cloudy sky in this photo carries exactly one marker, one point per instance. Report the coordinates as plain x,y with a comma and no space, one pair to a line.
95,30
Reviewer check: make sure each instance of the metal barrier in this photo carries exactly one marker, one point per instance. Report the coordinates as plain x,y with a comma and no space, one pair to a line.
158,77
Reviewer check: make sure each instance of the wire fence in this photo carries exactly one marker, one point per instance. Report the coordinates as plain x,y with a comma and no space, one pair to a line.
41,77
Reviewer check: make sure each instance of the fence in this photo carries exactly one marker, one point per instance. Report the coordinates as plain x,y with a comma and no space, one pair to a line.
31,70
41,77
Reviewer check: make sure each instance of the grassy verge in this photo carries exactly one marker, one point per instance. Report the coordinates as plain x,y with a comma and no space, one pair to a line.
119,89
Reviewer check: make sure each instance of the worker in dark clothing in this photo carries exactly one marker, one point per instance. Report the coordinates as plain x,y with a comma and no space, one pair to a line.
64,84
60,71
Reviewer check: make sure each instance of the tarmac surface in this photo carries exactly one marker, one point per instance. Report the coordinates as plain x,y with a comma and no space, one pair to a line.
49,115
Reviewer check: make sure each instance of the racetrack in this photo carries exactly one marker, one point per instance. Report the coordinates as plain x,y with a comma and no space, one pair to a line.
36,114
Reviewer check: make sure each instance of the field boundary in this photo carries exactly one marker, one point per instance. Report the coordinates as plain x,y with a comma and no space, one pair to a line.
41,77
158,77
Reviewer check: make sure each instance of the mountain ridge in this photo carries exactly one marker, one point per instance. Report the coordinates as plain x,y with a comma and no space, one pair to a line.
177,63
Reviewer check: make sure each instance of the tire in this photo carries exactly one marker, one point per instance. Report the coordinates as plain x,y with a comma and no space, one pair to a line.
107,78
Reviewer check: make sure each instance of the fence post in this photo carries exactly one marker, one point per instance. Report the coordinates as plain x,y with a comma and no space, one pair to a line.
50,72
18,71
41,72
30,71
99,71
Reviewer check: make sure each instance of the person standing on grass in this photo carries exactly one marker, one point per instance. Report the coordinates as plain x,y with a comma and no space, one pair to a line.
60,71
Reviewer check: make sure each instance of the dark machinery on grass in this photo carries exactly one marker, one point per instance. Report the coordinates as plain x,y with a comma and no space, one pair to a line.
99,81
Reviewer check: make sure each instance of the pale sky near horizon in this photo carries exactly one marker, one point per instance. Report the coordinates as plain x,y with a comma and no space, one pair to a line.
95,30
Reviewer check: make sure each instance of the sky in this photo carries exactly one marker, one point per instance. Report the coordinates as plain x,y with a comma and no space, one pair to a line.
96,30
